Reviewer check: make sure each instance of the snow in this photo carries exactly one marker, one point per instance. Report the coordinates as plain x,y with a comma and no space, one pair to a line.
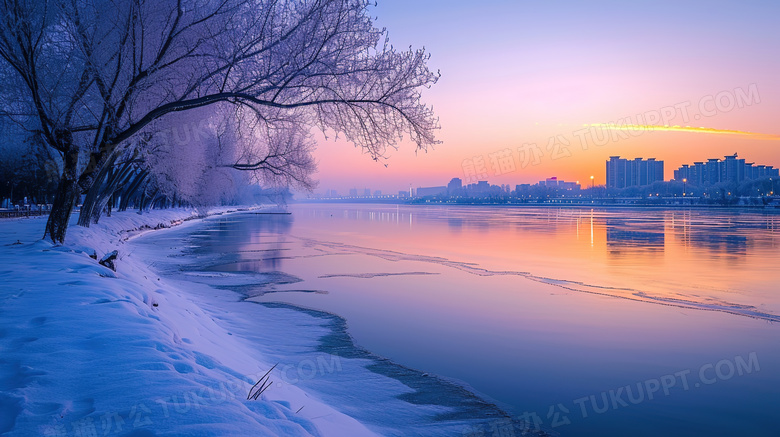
87,352
145,351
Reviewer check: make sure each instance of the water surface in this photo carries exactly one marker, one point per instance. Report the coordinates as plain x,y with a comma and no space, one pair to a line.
611,322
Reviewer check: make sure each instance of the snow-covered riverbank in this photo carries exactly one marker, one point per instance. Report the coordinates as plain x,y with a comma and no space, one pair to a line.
87,351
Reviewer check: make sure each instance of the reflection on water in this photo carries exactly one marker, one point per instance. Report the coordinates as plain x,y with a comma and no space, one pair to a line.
540,308
624,239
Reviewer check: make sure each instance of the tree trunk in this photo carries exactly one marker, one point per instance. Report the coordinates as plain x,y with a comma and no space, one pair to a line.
130,192
91,209
68,192
105,187
110,204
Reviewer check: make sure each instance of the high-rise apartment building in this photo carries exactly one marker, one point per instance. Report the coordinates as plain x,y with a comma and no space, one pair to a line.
622,173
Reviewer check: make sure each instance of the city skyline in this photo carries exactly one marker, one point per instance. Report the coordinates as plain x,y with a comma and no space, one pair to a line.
553,84
761,169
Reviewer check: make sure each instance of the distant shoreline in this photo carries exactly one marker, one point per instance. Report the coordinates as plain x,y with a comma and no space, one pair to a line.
753,208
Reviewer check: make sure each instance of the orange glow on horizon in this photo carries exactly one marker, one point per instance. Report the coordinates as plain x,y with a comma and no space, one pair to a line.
704,130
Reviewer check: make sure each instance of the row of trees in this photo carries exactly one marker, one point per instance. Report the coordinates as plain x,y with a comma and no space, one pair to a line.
176,96
27,171
725,192
752,192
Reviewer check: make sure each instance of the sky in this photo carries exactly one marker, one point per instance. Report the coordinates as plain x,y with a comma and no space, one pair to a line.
538,89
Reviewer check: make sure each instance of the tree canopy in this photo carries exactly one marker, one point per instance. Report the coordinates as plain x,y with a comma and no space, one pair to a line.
92,78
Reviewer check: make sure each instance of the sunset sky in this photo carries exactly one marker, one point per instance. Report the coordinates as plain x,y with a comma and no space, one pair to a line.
516,74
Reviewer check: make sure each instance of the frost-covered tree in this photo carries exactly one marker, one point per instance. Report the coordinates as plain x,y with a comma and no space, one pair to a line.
185,158
176,154
201,156
92,74
276,149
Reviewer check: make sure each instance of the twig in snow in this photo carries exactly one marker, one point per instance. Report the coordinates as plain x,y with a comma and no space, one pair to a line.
264,383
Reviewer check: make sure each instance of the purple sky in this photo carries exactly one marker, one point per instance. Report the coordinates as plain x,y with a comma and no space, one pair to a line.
537,75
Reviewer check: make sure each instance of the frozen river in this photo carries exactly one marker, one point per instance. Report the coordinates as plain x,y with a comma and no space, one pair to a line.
606,322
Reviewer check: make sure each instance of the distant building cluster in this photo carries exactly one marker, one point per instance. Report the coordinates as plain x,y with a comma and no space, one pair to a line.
637,172
431,191
455,188
621,173
353,192
729,169
560,184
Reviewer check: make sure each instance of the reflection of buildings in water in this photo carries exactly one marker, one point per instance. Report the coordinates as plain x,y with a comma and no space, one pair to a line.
627,237
632,231
462,218
719,239
390,214
730,234
617,237
726,234
543,220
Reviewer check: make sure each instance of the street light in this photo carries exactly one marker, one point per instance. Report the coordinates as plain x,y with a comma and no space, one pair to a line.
591,187
684,181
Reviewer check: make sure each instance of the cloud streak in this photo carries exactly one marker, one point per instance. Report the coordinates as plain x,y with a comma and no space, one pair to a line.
701,130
